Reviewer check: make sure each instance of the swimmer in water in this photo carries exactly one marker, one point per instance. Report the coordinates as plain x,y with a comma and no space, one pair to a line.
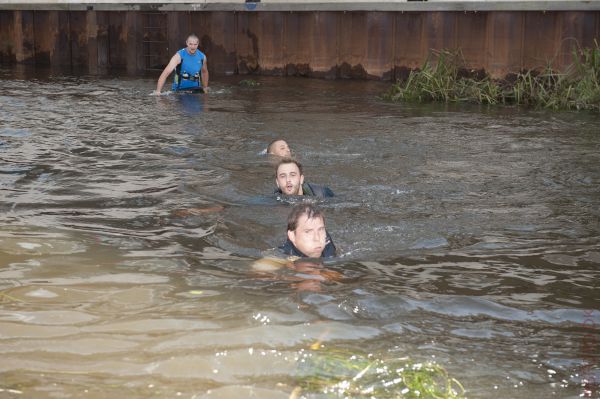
279,148
289,179
306,233
306,244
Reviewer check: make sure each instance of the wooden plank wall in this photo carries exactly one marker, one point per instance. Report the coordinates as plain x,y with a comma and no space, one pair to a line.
364,45
7,38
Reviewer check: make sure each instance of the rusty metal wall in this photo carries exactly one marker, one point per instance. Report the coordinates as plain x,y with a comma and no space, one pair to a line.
332,44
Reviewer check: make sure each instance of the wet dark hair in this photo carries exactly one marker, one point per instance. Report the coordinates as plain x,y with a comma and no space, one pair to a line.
288,160
308,209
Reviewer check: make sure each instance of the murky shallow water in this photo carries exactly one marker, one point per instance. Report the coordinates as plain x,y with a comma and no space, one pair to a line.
468,236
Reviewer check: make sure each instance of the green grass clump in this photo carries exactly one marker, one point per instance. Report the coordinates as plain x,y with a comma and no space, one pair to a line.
249,83
332,373
444,77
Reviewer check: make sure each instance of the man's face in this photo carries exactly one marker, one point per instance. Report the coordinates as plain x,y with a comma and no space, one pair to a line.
288,179
281,149
309,236
192,45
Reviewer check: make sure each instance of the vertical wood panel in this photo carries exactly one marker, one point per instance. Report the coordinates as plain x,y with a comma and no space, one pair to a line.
7,37
470,38
539,46
117,40
102,21
45,36
228,28
92,41
323,43
79,39
155,28
409,53
201,26
247,42
588,29
352,39
132,45
297,48
380,53
133,42
579,29
220,45
597,33
270,51
440,31
24,37
63,41
504,43
179,27
311,43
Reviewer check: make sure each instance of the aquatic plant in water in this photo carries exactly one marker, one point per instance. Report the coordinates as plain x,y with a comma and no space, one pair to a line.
334,373
444,77
249,83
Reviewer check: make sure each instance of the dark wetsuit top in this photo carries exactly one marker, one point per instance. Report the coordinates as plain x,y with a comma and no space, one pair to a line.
290,249
313,190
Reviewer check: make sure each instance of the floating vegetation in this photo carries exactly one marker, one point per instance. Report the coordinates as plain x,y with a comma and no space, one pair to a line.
444,77
249,83
333,373
5,297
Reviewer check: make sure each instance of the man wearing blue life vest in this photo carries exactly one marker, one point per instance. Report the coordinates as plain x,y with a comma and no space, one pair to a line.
289,179
191,71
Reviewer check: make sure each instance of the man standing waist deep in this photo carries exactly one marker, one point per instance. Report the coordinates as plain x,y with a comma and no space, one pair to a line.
190,66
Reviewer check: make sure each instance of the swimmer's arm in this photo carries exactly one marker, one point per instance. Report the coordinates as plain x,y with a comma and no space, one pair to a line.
269,264
175,60
204,73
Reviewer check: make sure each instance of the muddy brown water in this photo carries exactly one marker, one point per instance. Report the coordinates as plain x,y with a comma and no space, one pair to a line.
469,236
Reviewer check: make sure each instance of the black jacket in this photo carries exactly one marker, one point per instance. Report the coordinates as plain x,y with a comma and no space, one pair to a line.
290,249
313,190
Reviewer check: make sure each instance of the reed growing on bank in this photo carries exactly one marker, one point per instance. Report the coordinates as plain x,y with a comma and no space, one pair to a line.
443,77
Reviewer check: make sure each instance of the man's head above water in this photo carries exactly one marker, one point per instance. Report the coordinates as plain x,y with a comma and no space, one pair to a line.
279,148
192,43
289,177
306,230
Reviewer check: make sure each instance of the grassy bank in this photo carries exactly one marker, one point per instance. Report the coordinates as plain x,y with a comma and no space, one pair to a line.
444,77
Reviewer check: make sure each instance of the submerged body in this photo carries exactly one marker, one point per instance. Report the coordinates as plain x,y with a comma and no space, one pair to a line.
326,251
279,148
313,190
289,179
306,234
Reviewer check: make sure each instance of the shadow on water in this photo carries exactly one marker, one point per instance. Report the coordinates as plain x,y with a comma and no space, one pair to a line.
469,236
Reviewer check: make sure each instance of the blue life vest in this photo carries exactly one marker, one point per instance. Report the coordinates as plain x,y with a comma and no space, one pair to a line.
188,73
